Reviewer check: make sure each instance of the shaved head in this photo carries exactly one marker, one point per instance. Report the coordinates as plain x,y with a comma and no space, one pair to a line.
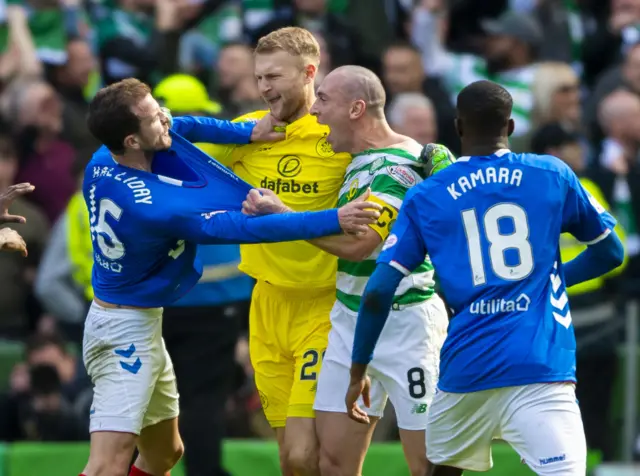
619,115
617,105
350,100
356,83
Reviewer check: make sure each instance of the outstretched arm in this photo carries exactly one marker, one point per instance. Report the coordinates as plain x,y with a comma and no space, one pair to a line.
235,227
208,129
216,131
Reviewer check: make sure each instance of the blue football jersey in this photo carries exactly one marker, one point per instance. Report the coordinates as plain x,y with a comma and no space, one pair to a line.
145,226
492,226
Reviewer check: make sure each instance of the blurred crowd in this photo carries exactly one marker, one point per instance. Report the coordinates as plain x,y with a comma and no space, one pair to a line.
572,66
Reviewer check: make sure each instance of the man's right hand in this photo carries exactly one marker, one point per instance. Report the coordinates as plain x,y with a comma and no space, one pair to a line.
355,217
263,201
268,129
7,198
10,240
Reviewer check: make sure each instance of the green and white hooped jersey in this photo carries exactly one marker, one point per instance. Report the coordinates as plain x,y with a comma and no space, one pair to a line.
466,69
389,173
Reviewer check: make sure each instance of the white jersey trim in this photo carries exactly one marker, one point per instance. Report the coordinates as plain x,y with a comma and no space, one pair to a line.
399,267
499,153
606,233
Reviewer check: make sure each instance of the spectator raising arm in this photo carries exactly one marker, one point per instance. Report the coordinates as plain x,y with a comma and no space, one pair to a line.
129,49
8,197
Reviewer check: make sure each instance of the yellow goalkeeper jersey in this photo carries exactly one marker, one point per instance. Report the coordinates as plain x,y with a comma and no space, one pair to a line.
306,174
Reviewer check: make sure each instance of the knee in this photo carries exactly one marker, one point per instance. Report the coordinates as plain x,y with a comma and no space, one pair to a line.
329,463
160,462
302,460
108,465
178,453
419,466
172,457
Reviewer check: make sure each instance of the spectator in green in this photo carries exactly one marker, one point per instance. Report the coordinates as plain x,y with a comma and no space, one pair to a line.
134,43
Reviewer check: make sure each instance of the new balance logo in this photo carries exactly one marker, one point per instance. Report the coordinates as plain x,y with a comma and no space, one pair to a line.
558,298
419,408
132,367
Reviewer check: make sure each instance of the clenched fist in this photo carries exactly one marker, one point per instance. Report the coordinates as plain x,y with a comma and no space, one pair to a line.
10,240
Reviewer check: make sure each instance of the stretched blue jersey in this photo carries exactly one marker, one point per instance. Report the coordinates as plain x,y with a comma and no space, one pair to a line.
492,227
145,226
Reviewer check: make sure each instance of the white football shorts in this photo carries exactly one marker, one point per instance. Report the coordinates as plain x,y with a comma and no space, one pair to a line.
405,362
133,380
542,422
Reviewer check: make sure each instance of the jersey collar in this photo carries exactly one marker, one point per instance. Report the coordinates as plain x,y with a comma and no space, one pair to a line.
296,126
498,153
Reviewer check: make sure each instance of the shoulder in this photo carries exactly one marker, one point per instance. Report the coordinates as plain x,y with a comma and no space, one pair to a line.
251,116
546,163
401,174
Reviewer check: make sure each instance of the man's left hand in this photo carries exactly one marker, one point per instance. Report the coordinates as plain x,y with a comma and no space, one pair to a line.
7,198
268,129
358,387
263,201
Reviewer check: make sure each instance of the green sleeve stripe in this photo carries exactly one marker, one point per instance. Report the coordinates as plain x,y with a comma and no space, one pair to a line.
365,268
412,296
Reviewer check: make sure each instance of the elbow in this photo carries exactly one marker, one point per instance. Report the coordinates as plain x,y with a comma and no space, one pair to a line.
616,251
372,301
617,256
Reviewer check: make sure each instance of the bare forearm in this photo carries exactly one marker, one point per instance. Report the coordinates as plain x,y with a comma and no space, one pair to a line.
349,247
20,36
338,245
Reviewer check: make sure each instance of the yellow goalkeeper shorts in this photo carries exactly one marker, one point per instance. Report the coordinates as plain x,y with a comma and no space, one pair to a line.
288,332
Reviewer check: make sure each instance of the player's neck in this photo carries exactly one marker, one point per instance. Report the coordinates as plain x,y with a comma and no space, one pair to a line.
374,133
135,160
484,147
310,98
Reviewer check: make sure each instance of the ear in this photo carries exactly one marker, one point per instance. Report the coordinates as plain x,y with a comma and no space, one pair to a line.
310,72
458,125
131,142
357,109
511,127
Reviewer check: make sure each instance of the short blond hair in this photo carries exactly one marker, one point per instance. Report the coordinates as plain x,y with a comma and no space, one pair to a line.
295,41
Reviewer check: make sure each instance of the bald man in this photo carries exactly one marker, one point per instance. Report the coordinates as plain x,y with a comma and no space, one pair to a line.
619,117
386,164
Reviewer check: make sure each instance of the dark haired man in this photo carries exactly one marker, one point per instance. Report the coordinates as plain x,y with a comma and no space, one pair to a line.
491,223
152,197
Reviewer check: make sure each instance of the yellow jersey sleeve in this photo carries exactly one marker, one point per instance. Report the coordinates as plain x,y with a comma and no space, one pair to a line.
228,154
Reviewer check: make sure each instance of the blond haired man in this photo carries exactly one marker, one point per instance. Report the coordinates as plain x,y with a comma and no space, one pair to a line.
295,289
